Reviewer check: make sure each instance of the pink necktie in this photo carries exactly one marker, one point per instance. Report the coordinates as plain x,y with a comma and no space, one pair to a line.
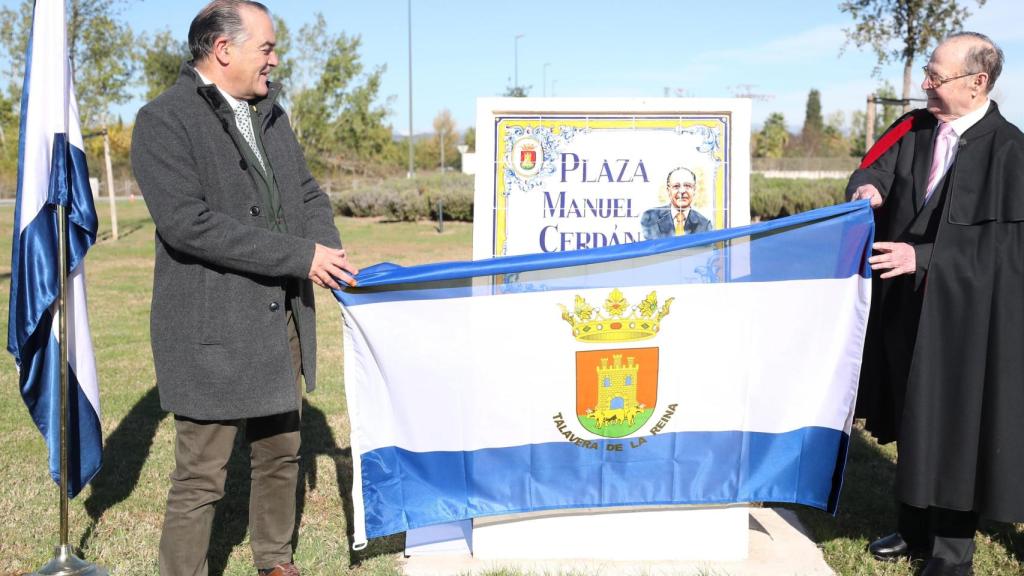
942,145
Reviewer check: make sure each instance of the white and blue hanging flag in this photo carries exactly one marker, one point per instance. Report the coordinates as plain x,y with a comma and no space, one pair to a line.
708,368
52,171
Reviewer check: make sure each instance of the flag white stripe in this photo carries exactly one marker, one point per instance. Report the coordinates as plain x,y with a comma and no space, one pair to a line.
735,368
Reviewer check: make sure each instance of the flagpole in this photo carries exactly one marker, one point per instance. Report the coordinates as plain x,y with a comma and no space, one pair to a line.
62,307
65,562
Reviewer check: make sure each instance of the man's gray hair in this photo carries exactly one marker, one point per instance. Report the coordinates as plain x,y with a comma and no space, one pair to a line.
678,169
219,18
982,56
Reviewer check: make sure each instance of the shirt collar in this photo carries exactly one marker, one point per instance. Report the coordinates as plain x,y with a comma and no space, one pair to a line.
231,100
963,123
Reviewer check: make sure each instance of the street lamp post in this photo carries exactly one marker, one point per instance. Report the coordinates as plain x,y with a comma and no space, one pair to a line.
412,166
545,89
518,36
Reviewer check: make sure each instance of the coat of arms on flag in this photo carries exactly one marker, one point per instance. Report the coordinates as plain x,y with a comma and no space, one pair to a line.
616,389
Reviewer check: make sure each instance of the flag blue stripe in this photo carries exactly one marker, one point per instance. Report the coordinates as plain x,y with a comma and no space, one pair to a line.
403,489
822,244
34,284
40,388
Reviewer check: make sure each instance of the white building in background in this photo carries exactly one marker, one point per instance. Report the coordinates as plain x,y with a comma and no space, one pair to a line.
468,159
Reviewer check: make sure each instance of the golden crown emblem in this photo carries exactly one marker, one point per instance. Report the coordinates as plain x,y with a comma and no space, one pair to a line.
620,322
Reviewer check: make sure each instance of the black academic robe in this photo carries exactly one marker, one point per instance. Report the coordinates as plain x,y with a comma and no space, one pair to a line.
943,370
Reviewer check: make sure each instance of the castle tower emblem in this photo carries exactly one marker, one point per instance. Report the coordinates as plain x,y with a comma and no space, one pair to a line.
616,389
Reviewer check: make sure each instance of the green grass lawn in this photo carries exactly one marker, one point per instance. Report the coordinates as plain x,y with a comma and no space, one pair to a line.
116,520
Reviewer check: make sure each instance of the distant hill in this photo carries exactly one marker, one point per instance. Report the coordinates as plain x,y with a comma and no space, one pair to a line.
415,137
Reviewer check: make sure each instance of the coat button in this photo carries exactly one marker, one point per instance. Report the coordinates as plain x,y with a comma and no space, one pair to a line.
274,306
254,211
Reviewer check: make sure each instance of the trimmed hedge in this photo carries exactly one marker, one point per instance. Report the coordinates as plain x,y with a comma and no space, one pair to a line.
399,199
777,197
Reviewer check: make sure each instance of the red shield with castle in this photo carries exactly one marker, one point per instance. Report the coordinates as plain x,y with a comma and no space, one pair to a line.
527,158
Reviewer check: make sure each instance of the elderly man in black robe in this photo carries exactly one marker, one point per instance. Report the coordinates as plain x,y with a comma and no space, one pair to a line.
943,371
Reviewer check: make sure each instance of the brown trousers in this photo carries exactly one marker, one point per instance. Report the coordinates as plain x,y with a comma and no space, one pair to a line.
202,451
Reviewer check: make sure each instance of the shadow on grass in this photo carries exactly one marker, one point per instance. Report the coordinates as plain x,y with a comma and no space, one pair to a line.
124,454
1009,536
106,235
318,439
128,447
231,520
867,507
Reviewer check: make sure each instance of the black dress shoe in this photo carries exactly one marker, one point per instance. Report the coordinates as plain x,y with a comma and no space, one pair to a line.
893,547
940,567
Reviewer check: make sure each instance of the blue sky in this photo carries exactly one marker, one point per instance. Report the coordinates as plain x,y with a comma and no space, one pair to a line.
463,49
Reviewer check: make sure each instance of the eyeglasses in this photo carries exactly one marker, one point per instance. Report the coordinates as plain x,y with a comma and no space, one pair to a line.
934,80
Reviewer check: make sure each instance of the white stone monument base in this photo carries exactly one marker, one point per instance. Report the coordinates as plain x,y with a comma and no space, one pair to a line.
777,545
712,533
715,533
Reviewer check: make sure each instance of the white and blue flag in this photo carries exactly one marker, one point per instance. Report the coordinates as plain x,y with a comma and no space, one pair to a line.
709,368
52,171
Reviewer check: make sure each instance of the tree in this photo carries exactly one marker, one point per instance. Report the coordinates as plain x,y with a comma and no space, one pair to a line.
771,141
902,30
833,140
517,91
100,47
284,72
469,138
858,121
334,115
814,124
14,32
161,62
444,133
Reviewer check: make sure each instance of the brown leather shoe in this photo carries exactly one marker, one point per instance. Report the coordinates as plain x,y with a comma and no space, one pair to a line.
287,569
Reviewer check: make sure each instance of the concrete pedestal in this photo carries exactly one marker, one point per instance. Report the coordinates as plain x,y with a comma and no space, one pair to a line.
714,533
775,544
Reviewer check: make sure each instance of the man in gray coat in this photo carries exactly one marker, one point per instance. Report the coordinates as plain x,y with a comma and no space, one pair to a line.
242,232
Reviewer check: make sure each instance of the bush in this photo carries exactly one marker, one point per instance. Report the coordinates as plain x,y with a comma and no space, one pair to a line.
456,197
777,197
361,203
403,205
401,199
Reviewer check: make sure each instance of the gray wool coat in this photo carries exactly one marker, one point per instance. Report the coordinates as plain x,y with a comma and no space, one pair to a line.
218,326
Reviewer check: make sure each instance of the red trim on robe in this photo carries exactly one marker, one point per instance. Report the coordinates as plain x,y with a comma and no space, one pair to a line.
886,141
